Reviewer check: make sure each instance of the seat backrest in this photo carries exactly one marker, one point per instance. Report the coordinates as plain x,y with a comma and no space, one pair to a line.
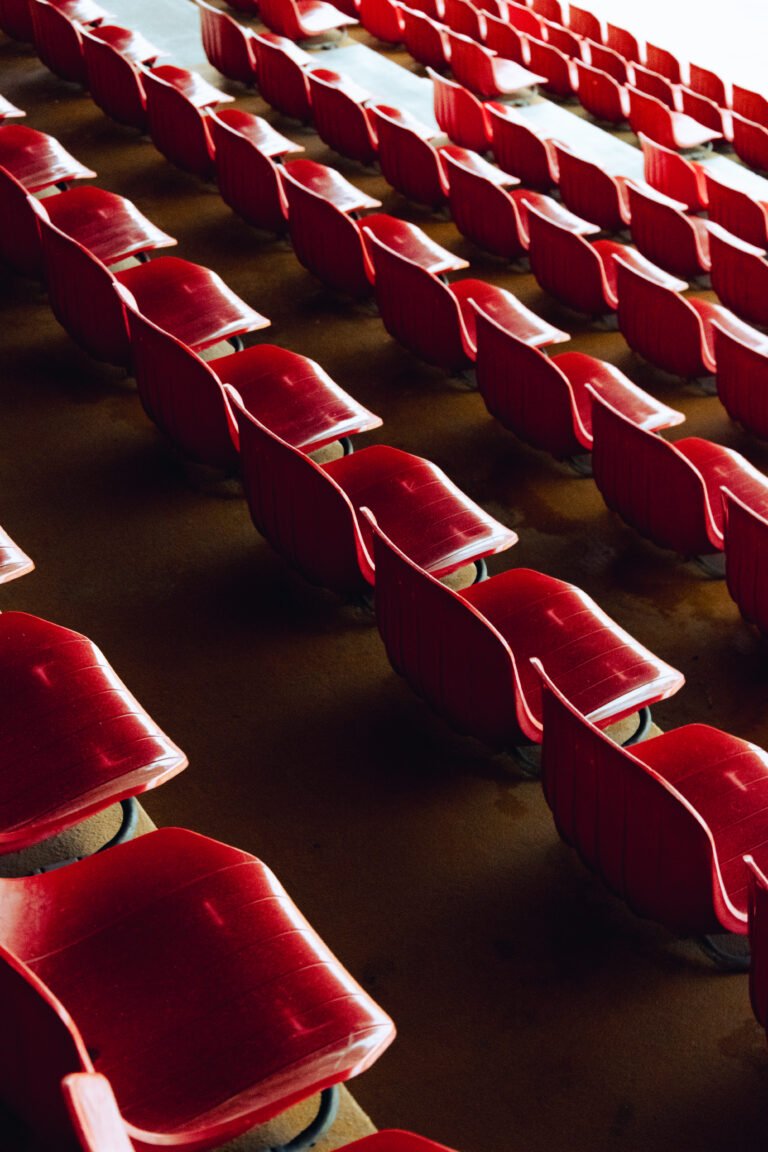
584,23
298,507
383,19
702,109
751,105
426,39
758,941
566,265
627,823
608,60
674,175
226,44
408,162
178,128
248,181
519,150
750,142
709,84
114,82
94,1113
462,16
623,42
481,210
524,389
651,485
417,309
57,41
599,93
326,240
654,85
739,275
662,61
281,76
664,234
547,60
20,231
737,212
588,190
340,119
449,654
651,117
549,10
460,114
281,17
659,324
742,381
746,560
525,19
504,39
471,65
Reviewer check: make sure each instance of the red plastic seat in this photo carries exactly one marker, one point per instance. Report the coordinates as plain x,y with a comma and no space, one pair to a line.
671,173
736,211
664,823
310,513
506,40
468,653
482,208
663,62
742,381
106,224
672,331
549,10
672,129
560,74
739,275
36,160
581,273
409,162
751,105
383,19
705,111
426,39
544,399
226,44
186,299
607,60
303,19
585,23
462,16
750,142
330,184
525,19
176,104
645,80
129,42
8,111
669,493
73,972
625,43
75,740
436,321
249,181
564,39
13,562
460,115
184,396
57,41
746,559
484,73
281,74
114,82
518,149
666,235
341,120
709,84
591,192
599,94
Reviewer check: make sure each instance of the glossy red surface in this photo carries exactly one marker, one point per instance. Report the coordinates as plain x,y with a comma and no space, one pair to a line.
383,19
549,10
248,179
737,212
585,23
607,60
664,62
57,41
114,83
310,513
672,129
560,72
409,162
468,654
426,39
340,118
409,241
669,493
663,232
664,823
460,115
739,275
562,38
591,192
525,19
13,562
709,84
704,110
746,559
93,743
653,85
37,160
520,150
128,42
302,19
463,17
661,325
624,42
505,39
226,44
481,208
671,173
750,142
187,906
178,125
742,381
330,184
280,73
751,105
603,97
484,73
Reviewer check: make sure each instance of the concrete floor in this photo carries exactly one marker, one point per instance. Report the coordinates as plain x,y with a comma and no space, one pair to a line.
534,1011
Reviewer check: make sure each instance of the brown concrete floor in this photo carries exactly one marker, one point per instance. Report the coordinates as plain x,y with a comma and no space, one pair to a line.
534,1011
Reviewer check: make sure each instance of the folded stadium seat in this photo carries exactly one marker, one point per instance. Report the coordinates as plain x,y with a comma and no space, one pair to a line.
591,192
653,84
669,493
436,321
709,84
249,182
663,232
409,162
544,399
505,40
426,39
520,150
37,160
460,115
599,94
74,971
549,10
310,513
383,19
663,62
746,559
585,23
607,60
281,74
563,39
16,16
625,43
581,273
303,19
468,653
736,211
669,172
57,41
186,299
739,275
462,16
742,381
8,111
330,184
75,740
106,224
184,396
705,111
114,82
664,823
524,19
226,44
750,142
177,100
751,105
484,73
674,332
13,562
341,119
672,129
558,70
